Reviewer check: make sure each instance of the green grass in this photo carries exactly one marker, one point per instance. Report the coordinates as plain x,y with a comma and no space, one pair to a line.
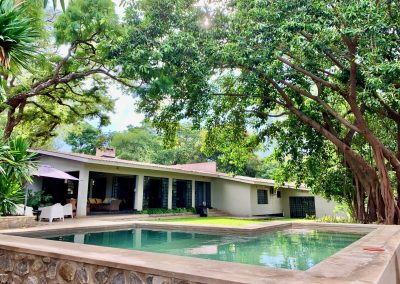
225,221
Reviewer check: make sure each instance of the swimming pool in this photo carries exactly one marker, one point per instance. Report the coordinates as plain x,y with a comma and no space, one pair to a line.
297,249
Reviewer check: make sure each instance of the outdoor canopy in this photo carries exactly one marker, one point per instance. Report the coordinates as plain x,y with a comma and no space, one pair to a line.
49,171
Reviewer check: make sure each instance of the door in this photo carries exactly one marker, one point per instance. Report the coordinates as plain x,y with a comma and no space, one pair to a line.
99,187
126,192
181,193
203,193
301,206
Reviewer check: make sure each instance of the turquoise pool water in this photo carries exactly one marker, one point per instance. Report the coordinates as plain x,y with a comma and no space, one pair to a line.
291,249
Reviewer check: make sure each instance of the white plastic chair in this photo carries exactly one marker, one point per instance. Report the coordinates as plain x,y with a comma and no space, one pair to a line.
19,210
55,211
67,208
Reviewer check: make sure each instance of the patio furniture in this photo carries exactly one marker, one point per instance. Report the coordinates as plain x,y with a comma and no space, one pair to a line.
112,206
19,210
67,208
37,214
55,211
73,201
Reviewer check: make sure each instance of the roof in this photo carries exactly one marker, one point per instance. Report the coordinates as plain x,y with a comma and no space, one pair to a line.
210,167
199,169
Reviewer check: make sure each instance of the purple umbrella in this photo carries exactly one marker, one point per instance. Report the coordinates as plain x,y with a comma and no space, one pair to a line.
49,171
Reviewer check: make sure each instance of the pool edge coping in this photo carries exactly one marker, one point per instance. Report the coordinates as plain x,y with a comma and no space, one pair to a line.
256,274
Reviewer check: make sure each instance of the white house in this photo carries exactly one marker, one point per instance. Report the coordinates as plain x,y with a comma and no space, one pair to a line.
134,186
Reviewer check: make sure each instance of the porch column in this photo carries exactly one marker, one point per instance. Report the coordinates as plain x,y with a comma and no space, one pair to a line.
169,193
139,192
193,193
109,184
83,188
138,238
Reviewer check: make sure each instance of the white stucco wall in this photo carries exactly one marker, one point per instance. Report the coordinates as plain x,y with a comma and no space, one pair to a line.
232,197
36,185
323,207
61,164
236,198
274,205
85,168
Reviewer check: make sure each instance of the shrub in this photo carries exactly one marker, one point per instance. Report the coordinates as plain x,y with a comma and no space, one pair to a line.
166,211
16,165
310,217
335,219
38,199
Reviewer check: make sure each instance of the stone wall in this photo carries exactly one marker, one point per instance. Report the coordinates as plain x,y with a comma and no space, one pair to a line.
15,222
20,268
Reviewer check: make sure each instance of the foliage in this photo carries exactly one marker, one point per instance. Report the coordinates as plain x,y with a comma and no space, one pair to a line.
86,138
17,36
216,221
145,144
322,82
310,217
152,211
16,164
335,219
38,199
63,90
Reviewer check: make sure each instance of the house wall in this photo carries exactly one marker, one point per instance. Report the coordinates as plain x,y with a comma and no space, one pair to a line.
36,185
274,205
62,164
323,207
84,170
232,197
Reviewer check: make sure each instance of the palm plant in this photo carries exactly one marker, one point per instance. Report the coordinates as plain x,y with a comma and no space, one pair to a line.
17,34
16,165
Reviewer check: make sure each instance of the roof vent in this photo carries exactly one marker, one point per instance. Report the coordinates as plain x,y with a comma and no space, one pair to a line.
105,152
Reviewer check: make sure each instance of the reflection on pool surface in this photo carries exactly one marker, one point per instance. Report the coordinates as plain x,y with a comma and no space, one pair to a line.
291,249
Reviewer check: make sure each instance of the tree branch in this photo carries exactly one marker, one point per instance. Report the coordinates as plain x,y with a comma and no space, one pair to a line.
326,106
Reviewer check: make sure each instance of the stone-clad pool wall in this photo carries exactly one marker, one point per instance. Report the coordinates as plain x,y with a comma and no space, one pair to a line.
34,269
13,222
37,261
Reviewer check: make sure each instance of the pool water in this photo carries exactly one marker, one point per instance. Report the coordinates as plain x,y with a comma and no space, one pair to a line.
290,249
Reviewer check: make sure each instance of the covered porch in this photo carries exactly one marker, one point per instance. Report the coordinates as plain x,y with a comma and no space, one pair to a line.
136,192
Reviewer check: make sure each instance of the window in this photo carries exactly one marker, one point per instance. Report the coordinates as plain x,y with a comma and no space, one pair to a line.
278,194
272,191
262,196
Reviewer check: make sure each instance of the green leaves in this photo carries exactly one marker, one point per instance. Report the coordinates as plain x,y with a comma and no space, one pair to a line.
17,35
86,20
16,166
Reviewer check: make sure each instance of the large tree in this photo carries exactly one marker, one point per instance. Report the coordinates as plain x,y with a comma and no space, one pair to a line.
59,89
328,67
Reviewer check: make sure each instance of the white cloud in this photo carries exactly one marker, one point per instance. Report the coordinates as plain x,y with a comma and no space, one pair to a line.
124,112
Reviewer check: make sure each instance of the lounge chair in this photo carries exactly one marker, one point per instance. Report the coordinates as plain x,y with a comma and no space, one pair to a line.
55,211
112,206
67,208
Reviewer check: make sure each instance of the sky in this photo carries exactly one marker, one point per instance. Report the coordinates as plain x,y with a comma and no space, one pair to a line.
125,106
124,111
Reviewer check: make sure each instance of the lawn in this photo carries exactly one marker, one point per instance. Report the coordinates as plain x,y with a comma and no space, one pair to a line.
226,221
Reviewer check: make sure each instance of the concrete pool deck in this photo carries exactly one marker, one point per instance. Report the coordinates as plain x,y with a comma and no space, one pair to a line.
375,258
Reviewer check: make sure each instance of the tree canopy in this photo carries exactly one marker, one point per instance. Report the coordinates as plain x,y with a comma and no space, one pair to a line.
329,71
57,89
144,144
